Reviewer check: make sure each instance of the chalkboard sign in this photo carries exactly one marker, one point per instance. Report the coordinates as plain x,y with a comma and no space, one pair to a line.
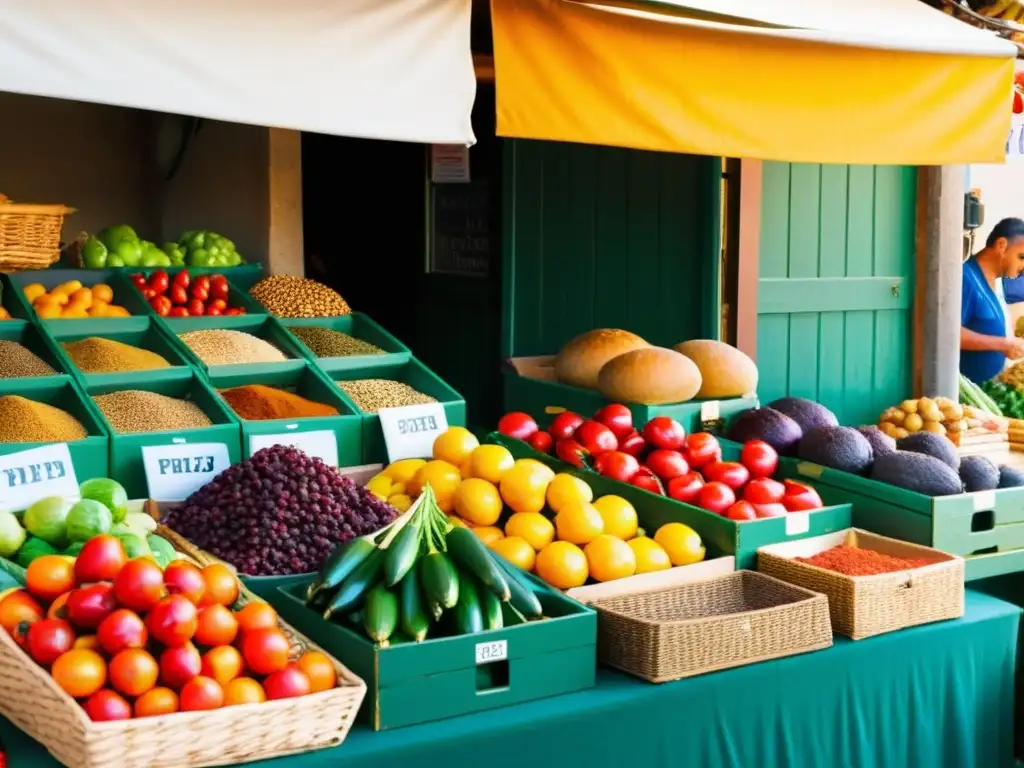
460,229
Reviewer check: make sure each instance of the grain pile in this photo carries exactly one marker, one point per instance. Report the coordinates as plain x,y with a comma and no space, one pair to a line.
96,355
293,296
255,402
132,410
231,347
326,342
370,395
26,421
18,361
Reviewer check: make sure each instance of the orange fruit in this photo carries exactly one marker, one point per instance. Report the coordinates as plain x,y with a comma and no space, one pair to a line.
681,542
117,311
579,523
319,669
524,485
609,558
102,292
650,555
50,576
444,479
82,296
88,642
33,291
79,672
201,693
565,489
156,701
478,501
55,610
133,671
74,312
490,462
516,550
563,565
223,664
619,516
217,626
488,534
16,606
221,585
98,309
69,287
243,690
404,470
533,527
455,445
256,615
49,311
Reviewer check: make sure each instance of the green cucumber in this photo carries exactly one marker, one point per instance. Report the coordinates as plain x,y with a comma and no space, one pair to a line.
402,553
490,605
524,599
466,549
352,592
468,615
380,616
339,564
440,580
413,616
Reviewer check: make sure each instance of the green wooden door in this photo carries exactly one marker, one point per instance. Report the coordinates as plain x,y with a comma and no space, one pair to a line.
836,286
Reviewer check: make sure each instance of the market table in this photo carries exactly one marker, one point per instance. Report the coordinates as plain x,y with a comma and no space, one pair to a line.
938,695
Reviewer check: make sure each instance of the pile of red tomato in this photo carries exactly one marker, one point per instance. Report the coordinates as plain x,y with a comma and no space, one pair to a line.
129,639
663,459
184,295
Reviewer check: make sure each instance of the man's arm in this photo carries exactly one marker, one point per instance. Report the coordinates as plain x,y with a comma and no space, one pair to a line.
973,341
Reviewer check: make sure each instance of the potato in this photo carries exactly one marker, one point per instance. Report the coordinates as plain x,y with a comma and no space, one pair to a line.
913,422
895,415
900,432
944,402
956,425
888,428
934,427
909,406
952,412
929,411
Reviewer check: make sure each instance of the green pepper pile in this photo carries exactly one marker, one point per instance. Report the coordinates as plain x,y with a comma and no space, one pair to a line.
121,246
1009,399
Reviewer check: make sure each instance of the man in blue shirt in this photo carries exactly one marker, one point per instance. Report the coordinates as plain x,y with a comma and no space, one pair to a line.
986,341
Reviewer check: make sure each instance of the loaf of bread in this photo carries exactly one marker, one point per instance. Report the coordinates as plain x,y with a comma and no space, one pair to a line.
650,376
579,362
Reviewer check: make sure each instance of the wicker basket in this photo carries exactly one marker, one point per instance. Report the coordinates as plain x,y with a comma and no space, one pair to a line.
728,621
31,700
863,606
30,235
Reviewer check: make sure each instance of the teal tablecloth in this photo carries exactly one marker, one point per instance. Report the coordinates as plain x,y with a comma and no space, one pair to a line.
933,696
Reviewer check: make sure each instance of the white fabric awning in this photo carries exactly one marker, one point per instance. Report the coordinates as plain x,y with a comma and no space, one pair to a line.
382,69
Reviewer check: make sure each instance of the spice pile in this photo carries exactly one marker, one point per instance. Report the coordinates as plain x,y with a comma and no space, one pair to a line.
293,296
279,513
96,355
27,421
18,361
231,347
133,410
326,342
256,402
854,561
370,395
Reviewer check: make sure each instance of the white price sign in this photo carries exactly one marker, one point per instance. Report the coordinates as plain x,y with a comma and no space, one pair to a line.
28,476
321,444
496,650
410,431
175,471
797,523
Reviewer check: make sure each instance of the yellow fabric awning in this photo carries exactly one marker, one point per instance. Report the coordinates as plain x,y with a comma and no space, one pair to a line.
835,81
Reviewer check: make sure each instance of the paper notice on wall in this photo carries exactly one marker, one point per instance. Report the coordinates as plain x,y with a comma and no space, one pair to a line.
449,163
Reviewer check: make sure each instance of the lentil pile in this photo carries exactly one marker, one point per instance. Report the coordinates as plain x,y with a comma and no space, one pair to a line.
370,395
26,421
293,296
18,361
96,355
854,561
326,342
132,410
255,402
231,347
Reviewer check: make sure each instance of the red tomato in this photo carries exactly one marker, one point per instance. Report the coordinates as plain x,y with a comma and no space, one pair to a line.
172,621
159,281
88,606
178,312
179,665
101,559
633,444
702,448
596,437
666,464
234,311
265,650
216,303
139,280
800,497
201,288
541,441
565,425
196,308
183,578
140,585
760,458
571,452
686,487
161,305
770,510
201,693
182,278
617,465
741,511
148,293
764,490
213,312
731,473
648,481
218,280
219,290
49,639
121,630
179,294
618,418
716,497
286,684
663,432
518,425
105,705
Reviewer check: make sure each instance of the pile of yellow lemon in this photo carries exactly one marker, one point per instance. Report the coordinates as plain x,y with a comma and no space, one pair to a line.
73,300
553,525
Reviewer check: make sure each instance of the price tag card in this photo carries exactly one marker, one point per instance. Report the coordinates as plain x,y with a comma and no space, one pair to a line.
28,476
496,650
410,431
321,443
984,500
797,523
174,472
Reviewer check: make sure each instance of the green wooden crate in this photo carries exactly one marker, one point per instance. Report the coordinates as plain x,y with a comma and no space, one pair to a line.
312,384
409,683
362,327
125,295
237,297
267,586
126,463
262,326
416,375
16,307
36,340
720,535
90,455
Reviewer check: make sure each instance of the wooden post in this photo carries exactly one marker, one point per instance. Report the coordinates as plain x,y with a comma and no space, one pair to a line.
747,257
285,253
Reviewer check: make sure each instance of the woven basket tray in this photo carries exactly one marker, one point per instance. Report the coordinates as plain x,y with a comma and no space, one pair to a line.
31,700
863,606
30,235
728,621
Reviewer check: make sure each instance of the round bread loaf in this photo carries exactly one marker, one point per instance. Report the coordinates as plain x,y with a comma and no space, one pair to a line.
724,370
580,361
650,376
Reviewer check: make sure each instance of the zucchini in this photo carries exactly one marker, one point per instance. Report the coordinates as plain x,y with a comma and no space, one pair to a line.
380,616
440,580
490,605
339,565
352,592
470,554
402,553
413,616
524,599
13,569
468,615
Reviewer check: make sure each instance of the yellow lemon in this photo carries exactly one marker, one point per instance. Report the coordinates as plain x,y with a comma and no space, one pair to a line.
102,292
562,565
650,555
539,466
397,488
49,311
619,516
404,470
115,310
98,309
478,501
488,534
454,445
400,501
681,542
567,489
609,558
523,487
536,529
464,469
490,462
82,296
443,478
456,520
579,523
517,551
33,291
69,287
379,486
74,311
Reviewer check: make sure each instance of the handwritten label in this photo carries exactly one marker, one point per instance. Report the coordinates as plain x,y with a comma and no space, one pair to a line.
797,523
410,431
496,650
710,411
321,443
984,500
28,476
174,472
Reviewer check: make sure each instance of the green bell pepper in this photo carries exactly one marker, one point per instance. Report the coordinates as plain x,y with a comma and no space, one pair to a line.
130,252
113,236
94,253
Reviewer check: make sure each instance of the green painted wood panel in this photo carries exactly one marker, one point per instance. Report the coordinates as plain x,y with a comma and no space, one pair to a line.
836,286
605,237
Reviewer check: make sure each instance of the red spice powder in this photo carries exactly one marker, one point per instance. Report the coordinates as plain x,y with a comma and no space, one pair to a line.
854,561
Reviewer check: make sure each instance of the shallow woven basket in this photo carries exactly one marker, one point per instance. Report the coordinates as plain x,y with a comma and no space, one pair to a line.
31,700
727,621
30,235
